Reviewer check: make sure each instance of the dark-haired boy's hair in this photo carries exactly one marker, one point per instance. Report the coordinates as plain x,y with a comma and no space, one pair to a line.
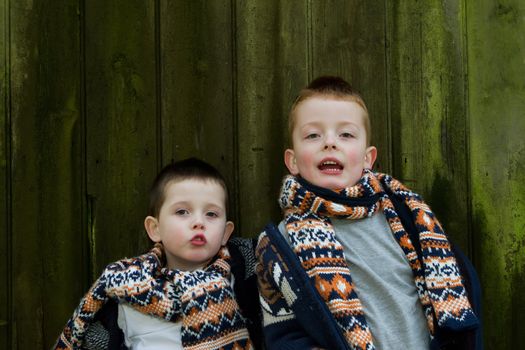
187,169
331,87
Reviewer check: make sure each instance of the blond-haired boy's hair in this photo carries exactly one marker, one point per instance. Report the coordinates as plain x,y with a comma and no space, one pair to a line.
330,87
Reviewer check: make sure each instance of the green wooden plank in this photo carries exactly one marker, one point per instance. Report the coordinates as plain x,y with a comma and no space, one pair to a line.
428,108
46,168
197,85
496,56
121,125
27,267
271,69
5,228
348,40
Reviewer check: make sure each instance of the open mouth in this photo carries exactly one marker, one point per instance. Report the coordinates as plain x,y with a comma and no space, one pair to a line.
330,166
198,239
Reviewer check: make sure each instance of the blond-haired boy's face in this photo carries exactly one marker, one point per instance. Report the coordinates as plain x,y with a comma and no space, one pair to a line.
329,143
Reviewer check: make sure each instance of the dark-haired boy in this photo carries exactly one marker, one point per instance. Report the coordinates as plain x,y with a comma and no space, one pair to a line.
179,295
360,261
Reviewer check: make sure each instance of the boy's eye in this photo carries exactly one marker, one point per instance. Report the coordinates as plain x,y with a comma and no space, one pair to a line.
212,214
346,135
312,136
181,212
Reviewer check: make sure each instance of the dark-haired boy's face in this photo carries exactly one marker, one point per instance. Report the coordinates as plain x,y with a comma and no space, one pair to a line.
329,143
191,224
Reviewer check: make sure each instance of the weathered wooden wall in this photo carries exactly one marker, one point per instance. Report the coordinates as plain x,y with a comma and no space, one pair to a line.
496,99
95,96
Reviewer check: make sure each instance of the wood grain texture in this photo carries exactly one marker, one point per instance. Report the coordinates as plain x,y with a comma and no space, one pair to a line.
271,68
5,183
496,60
121,125
428,108
46,168
197,85
348,39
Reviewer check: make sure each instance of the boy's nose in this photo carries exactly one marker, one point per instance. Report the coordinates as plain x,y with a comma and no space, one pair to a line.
198,224
329,142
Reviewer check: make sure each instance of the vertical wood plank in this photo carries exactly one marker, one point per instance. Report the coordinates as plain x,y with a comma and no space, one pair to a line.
28,314
121,125
496,57
427,98
197,84
46,166
348,40
5,227
271,61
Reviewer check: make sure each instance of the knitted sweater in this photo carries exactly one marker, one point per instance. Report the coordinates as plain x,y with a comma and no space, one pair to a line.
102,331
296,316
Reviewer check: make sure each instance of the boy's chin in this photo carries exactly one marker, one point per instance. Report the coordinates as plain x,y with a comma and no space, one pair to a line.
335,185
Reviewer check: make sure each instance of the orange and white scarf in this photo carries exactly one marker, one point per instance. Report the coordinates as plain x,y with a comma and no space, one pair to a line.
202,300
438,281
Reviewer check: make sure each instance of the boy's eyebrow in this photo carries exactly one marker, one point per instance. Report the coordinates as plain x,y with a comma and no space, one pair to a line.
339,124
218,206
188,203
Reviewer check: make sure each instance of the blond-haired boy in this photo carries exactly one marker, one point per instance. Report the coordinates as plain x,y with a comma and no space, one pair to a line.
359,261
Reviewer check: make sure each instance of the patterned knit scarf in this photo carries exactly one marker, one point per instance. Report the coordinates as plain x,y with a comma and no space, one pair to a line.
308,210
202,300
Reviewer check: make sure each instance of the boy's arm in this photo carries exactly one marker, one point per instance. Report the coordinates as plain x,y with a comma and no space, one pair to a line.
282,330
243,261
105,332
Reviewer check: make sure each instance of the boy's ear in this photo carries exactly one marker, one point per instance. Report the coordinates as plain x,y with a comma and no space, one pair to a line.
289,160
370,157
228,230
152,227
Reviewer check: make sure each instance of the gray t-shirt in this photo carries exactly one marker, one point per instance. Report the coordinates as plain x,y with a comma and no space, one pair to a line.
384,283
